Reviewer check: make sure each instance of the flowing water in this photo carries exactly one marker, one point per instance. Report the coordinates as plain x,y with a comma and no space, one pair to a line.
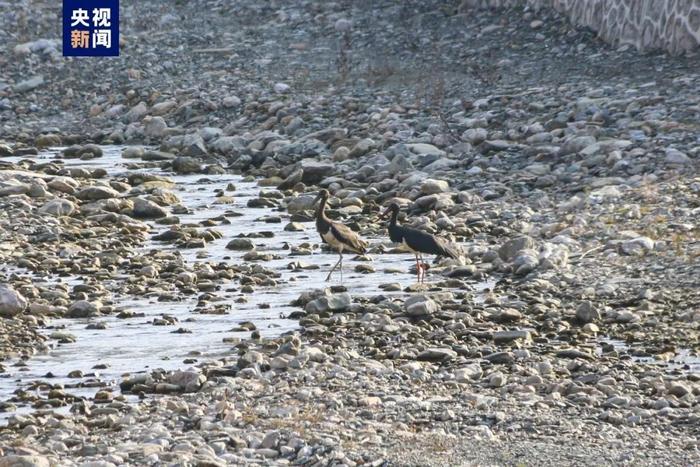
136,345
133,345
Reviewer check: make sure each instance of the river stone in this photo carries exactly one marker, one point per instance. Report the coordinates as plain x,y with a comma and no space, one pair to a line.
510,249
637,246
155,127
93,193
157,156
64,185
587,313
231,101
186,165
676,157
145,209
12,302
576,144
293,178
58,207
525,261
189,381
29,84
241,244
13,187
420,306
678,389
361,148
315,171
300,203
425,149
193,145
468,373
24,461
333,302
437,354
431,186
133,152
504,337
82,309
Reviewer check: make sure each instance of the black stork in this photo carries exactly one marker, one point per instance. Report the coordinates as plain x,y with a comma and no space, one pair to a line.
419,242
340,237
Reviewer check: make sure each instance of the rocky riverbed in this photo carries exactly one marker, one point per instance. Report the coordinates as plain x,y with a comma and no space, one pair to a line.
161,281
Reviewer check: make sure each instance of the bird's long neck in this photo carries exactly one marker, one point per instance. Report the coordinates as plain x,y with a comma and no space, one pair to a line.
321,211
394,218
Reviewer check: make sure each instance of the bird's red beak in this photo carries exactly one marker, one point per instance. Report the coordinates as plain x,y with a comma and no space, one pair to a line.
386,213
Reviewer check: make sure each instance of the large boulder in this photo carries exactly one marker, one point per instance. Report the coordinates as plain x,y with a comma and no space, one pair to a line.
12,302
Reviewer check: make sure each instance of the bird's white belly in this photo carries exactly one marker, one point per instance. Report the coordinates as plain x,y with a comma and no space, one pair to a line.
329,238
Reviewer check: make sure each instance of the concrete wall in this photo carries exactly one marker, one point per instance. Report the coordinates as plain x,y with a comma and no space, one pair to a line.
670,25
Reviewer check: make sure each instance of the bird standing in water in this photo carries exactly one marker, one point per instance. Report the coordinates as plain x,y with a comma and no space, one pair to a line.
338,236
418,242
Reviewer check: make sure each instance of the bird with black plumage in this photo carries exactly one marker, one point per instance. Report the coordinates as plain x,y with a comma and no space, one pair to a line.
338,236
419,242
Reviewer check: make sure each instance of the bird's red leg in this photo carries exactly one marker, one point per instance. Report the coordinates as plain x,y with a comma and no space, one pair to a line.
420,256
417,269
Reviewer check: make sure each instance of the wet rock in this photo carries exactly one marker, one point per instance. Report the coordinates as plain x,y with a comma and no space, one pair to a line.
152,155
240,244
133,152
186,165
294,227
88,151
82,309
329,302
12,302
145,209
